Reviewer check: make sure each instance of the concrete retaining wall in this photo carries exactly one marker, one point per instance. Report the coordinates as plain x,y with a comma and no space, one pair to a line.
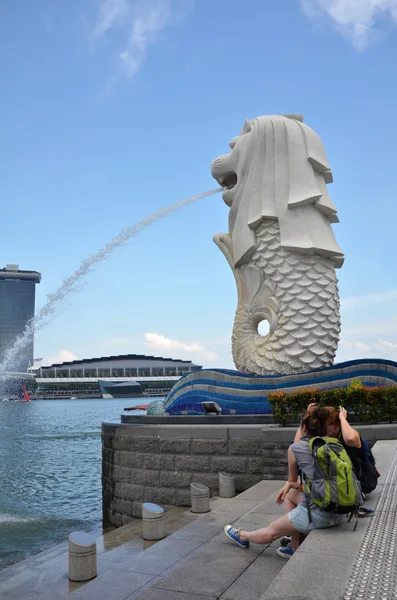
157,463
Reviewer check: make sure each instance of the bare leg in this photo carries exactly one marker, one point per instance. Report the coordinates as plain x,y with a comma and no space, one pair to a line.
275,530
293,499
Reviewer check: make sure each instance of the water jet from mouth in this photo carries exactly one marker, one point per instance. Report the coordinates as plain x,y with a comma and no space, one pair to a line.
68,285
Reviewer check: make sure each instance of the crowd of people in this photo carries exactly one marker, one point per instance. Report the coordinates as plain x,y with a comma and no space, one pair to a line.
330,468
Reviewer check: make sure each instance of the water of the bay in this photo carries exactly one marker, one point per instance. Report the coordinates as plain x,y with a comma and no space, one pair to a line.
50,471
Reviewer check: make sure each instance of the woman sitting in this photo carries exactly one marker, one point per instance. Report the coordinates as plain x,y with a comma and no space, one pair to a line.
296,521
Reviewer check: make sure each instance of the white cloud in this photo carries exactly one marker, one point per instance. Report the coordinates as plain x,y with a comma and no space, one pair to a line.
357,20
385,345
355,346
134,25
350,350
111,13
63,356
158,342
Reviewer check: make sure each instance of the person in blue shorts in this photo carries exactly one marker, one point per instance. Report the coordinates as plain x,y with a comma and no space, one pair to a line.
337,426
296,522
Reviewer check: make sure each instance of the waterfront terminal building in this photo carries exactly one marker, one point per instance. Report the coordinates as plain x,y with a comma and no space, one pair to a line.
17,303
123,376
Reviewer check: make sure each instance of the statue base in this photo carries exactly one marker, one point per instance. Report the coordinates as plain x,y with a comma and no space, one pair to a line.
239,394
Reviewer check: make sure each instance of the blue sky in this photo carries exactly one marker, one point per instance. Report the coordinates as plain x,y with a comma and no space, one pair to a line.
112,109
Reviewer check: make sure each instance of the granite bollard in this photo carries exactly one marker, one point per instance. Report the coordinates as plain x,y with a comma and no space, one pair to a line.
227,485
152,522
200,498
82,556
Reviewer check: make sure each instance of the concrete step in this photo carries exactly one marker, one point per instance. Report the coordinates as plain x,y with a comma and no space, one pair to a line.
198,560
342,563
50,567
45,575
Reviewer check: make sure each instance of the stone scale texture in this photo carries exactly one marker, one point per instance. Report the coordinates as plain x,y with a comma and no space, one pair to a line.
281,246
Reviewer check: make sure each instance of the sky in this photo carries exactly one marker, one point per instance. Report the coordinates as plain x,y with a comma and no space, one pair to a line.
113,109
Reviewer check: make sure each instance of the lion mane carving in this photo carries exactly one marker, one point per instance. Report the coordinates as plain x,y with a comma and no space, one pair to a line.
281,246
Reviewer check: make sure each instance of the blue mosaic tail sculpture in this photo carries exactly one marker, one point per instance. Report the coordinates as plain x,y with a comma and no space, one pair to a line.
247,394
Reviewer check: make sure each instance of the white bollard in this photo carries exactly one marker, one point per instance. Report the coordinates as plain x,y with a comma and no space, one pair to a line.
200,498
152,521
82,556
227,485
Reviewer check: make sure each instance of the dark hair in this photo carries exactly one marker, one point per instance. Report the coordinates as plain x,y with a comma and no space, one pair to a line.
333,416
315,421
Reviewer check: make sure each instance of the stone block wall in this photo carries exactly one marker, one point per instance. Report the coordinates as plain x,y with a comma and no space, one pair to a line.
275,458
157,463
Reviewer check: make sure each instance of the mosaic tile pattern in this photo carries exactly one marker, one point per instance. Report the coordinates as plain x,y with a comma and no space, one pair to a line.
247,394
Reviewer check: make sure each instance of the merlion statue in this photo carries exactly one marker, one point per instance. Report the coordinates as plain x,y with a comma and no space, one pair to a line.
281,246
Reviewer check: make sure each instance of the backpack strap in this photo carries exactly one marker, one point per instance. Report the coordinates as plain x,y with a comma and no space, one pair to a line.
309,510
314,444
304,481
355,513
307,497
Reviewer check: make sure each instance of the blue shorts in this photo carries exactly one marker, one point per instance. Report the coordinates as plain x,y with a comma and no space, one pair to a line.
299,518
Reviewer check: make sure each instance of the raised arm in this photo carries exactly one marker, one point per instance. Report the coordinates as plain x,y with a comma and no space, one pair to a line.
351,437
299,434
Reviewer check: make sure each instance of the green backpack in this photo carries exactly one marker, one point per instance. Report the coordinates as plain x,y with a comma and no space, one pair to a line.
335,487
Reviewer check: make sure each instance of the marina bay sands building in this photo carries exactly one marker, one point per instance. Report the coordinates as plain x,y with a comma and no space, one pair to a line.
17,303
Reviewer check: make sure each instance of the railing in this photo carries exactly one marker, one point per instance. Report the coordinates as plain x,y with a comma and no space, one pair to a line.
156,391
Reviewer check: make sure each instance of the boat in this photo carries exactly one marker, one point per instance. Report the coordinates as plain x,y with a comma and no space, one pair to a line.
26,397
123,389
139,407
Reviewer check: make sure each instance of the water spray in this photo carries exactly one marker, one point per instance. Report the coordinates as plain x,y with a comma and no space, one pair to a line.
68,285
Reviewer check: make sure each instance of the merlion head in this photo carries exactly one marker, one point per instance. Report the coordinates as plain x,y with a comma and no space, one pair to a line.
277,169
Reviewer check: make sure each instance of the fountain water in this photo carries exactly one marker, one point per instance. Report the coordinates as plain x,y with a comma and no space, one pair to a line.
68,285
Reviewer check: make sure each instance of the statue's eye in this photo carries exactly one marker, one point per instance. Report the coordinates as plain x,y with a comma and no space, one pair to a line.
233,142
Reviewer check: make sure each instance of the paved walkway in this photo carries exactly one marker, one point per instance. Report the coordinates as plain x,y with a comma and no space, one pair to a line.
197,562
195,545
45,575
344,565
